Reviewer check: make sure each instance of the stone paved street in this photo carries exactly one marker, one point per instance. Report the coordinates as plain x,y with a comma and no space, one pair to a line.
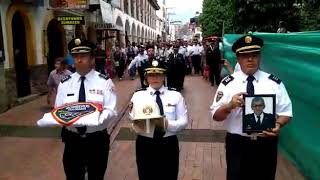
30,153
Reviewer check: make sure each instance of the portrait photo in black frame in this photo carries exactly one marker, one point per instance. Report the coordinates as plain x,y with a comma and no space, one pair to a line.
259,113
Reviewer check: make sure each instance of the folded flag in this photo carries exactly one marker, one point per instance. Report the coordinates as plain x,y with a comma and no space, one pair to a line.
73,114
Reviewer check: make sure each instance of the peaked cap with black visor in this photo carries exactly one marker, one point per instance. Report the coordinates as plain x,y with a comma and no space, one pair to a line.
247,44
80,46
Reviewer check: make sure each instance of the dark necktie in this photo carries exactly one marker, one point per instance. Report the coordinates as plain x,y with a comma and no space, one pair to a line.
159,102
158,131
82,98
250,87
259,119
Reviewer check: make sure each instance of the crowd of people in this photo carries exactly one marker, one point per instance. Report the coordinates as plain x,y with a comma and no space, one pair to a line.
162,68
180,57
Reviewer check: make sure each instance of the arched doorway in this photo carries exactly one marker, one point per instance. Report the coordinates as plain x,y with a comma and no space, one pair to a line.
55,43
20,56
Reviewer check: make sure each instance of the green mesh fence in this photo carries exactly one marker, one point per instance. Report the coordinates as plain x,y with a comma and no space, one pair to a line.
295,59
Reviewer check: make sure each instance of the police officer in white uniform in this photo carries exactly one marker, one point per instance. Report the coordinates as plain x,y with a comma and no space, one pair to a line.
250,156
157,153
87,147
195,53
138,61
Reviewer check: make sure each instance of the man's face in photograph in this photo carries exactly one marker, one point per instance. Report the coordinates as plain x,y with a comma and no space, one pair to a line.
258,107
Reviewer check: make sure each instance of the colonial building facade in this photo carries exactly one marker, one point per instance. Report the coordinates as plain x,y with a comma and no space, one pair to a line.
31,37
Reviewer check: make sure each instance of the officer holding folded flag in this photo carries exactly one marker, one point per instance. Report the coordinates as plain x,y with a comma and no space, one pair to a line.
86,147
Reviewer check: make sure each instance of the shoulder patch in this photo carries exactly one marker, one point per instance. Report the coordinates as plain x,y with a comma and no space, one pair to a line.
104,76
275,79
227,80
65,79
172,89
141,89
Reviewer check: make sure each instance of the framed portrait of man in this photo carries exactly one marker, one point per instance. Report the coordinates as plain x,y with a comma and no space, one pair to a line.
258,113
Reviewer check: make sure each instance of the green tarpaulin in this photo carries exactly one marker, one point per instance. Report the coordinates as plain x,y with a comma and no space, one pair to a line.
295,59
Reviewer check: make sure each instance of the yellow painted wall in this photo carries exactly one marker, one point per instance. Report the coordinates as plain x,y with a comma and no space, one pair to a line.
28,20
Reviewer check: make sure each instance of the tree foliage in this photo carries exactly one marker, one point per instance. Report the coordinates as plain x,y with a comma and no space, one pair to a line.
215,13
241,16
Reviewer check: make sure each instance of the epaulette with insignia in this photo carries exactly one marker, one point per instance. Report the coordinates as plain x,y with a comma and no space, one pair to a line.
104,76
227,80
141,89
275,79
65,79
172,89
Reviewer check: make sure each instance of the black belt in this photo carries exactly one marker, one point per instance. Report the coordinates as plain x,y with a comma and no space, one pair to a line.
252,137
67,134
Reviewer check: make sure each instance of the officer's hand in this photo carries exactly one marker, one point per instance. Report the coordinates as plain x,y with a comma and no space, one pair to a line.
273,133
237,101
139,124
226,63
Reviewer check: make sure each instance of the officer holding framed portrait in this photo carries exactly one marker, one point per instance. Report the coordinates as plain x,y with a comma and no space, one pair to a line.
250,155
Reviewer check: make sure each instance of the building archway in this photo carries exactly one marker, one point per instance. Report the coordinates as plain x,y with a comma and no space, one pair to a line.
134,33
120,34
142,35
138,34
30,32
56,41
20,55
127,32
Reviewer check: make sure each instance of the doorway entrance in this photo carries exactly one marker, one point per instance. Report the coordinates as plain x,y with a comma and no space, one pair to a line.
55,43
20,56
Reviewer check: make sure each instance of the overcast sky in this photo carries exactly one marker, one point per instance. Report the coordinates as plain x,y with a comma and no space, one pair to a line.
184,9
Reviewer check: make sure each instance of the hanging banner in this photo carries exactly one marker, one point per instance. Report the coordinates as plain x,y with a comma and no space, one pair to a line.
68,4
106,11
71,20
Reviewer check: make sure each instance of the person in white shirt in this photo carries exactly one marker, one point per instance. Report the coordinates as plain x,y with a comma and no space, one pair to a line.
136,64
195,57
250,156
157,153
87,147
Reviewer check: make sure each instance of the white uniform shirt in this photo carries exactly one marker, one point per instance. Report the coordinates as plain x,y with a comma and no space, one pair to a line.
237,67
189,50
161,52
174,108
97,89
183,51
137,60
262,85
195,50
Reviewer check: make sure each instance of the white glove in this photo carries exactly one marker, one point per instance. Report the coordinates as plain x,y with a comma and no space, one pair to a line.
103,116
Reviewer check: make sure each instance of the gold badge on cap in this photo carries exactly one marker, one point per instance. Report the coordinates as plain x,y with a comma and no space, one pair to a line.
77,41
248,39
155,63
147,110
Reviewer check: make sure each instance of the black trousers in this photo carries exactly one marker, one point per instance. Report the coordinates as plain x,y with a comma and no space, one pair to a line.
141,75
214,74
85,154
196,60
157,159
120,70
251,159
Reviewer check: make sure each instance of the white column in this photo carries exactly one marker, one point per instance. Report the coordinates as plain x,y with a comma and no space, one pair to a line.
133,14
122,5
129,7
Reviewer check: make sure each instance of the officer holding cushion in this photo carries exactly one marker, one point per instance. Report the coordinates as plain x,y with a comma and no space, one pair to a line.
86,147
